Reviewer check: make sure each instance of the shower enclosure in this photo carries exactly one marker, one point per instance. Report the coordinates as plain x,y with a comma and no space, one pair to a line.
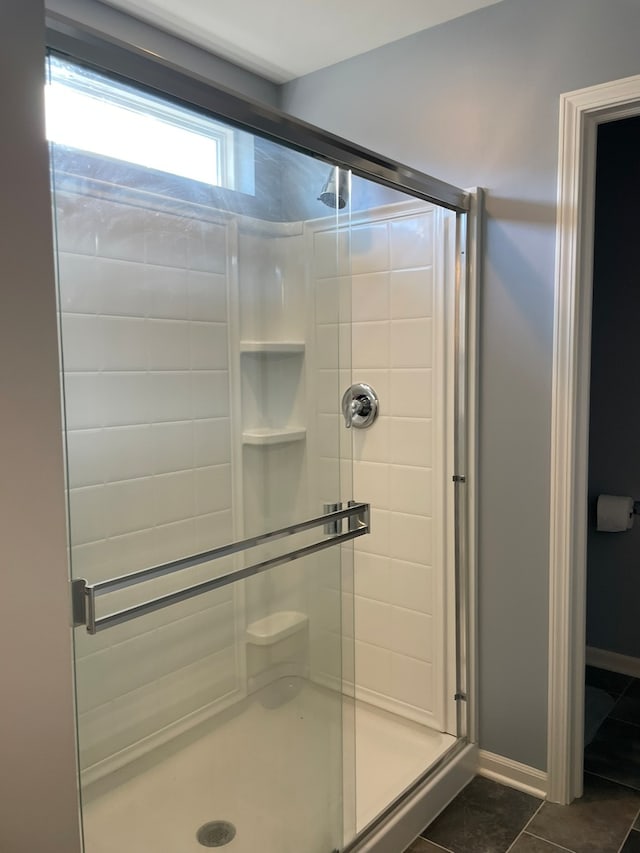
269,600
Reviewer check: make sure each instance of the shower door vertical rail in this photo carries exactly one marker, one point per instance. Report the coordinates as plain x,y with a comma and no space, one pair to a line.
461,475
469,254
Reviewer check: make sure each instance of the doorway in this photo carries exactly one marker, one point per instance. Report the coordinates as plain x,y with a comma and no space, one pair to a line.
581,113
612,638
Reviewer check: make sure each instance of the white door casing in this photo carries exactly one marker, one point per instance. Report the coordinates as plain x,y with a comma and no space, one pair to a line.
580,114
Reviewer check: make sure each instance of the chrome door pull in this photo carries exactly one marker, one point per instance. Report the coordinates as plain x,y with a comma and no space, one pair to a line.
84,594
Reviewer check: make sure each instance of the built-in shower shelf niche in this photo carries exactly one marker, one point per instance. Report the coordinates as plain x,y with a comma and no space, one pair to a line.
272,391
273,431
264,436
273,347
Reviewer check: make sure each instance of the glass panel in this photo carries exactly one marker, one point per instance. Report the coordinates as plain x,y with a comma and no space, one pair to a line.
403,289
205,347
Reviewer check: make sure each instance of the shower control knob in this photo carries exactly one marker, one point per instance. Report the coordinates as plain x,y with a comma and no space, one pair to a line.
360,406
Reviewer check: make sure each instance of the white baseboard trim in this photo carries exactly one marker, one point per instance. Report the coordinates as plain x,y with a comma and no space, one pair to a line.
512,773
613,661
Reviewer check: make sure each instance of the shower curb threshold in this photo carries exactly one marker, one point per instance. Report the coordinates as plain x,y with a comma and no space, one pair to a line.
404,822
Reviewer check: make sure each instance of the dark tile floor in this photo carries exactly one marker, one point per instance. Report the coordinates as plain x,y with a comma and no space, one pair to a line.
490,818
614,752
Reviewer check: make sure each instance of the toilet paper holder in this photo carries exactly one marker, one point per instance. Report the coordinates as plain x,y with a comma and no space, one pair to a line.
615,513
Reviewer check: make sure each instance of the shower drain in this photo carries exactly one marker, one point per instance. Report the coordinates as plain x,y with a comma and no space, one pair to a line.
216,833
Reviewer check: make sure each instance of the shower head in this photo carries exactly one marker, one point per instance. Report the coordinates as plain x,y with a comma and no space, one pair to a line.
332,196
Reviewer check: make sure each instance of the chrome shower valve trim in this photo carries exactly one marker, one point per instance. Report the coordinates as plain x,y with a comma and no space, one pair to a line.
360,406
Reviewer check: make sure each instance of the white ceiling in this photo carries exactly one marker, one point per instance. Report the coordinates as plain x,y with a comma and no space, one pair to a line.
284,39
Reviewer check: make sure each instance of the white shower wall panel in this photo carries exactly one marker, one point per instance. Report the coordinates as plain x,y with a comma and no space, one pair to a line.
395,300
154,309
143,301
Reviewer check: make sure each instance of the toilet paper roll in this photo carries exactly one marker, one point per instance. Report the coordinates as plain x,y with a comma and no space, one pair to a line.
615,513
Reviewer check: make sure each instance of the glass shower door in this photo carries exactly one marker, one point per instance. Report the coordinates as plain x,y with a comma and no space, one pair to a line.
210,649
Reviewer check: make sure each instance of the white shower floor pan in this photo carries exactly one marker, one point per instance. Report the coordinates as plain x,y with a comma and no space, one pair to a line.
391,753
273,772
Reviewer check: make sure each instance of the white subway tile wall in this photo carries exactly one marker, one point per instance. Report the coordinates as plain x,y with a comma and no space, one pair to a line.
144,315
392,347
143,300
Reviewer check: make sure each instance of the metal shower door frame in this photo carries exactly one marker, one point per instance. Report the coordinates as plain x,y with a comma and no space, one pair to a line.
252,116
267,122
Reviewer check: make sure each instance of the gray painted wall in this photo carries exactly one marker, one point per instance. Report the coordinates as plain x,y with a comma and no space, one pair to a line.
38,786
613,584
475,102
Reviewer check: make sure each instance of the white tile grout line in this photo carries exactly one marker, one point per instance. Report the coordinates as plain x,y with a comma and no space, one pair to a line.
610,716
633,823
439,846
559,846
550,843
523,831
428,841
539,837
519,835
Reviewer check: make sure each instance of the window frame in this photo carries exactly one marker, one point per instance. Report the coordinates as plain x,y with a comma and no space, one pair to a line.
98,85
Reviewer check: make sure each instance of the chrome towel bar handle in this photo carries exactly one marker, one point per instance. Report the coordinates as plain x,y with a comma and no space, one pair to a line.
83,594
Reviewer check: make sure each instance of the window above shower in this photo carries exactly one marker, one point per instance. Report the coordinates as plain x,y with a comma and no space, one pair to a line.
100,122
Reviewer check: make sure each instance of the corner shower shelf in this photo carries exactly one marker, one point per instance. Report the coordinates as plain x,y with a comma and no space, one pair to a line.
274,347
265,436
275,627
